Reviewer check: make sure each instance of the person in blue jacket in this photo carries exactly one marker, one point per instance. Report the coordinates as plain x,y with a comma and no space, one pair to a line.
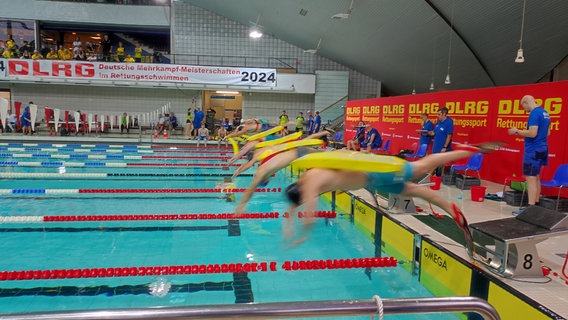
310,123
317,123
25,120
197,120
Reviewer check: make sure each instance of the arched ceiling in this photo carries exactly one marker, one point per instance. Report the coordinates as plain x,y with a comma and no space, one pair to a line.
405,44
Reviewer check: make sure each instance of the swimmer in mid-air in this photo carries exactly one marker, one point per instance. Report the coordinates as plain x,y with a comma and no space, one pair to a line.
254,156
281,157
318,180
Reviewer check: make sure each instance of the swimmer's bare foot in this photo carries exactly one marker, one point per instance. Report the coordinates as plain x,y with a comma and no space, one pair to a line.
461,221
485,147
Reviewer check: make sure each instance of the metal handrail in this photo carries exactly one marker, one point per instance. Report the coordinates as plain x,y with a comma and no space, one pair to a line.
334,103
328,308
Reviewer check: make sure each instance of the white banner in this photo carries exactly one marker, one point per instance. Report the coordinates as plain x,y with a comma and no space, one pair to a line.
23,69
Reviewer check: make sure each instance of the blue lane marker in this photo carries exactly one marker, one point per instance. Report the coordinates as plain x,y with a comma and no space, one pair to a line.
35,191
95,164
8,163
51,163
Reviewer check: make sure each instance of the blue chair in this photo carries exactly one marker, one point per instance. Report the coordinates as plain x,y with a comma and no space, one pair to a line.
473,165
385,148
337,140
420,153
560,180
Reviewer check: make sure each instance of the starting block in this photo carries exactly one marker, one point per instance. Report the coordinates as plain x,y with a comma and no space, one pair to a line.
404,204
508,246
401,204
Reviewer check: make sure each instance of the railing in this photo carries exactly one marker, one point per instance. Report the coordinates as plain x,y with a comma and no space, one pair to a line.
334,114
234,61
126,2
329,308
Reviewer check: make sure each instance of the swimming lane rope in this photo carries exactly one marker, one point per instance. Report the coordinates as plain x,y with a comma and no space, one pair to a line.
104,156
62,176
141,271
106,150
72,149
109,164
75,145
162,217
123,191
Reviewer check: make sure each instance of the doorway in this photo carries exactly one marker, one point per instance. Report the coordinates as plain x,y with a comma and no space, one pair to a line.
227,104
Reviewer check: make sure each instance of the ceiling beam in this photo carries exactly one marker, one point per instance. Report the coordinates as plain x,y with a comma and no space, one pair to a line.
449,23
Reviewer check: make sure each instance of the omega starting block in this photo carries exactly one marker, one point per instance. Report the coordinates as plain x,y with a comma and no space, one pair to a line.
509,245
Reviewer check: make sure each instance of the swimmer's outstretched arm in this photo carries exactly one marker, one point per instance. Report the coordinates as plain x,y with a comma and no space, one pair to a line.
246,148
260,175
317,135
263,173
244,167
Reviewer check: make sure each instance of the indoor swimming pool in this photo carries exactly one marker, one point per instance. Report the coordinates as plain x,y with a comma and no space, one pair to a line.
114,231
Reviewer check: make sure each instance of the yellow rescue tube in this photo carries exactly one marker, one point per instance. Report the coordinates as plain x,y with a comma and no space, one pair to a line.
265,133
290,137
288,146
350,160
235,145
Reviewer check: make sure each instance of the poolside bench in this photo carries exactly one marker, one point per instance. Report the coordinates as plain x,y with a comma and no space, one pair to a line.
508,246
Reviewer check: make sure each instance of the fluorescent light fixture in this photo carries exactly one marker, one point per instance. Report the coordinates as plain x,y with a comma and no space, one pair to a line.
344,15
340,16
255,33
520,56
227,92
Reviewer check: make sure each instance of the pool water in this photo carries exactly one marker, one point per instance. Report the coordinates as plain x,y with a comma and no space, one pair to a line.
69,245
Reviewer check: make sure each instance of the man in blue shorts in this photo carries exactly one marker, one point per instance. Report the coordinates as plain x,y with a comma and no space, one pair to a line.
373,139
536,147
321,180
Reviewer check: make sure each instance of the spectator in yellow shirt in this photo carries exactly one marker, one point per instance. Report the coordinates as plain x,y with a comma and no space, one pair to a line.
60,52
8,53
37,55
52,55
129,59
138,52
66,55
120,52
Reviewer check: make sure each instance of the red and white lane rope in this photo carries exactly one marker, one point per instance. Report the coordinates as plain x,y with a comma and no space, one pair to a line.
161,217
141,271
